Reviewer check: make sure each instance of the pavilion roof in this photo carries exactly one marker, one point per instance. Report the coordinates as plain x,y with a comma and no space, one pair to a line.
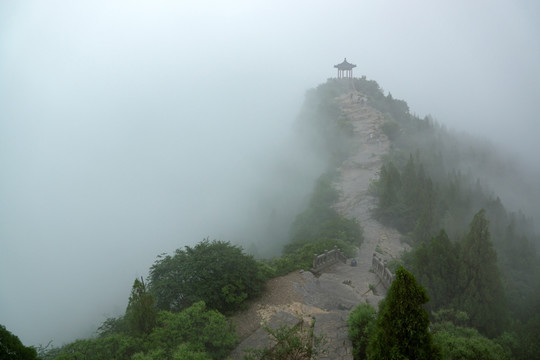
345,65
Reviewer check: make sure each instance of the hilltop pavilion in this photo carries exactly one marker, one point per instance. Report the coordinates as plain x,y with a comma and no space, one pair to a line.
344,70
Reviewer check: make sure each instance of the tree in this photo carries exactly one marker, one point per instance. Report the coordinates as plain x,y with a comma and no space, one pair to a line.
11,348
115,346
402,325
216,272
391,129
390,182
140,312
205,330
435,264
361,324
113,325
482,295
460,343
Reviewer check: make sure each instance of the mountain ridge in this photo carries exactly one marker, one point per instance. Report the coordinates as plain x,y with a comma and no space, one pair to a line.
328,297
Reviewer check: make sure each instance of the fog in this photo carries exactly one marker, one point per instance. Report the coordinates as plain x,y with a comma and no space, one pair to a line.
132,128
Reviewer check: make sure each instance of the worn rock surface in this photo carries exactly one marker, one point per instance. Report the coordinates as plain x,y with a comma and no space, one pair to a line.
330,297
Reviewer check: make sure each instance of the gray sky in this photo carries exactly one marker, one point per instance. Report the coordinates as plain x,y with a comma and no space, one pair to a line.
131,128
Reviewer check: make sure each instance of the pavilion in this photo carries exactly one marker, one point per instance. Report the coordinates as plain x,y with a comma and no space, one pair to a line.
344,70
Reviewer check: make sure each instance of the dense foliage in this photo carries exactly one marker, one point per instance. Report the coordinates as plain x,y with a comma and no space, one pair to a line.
434,179
459,342
464,275
402,323
205,330
194,333
12,348
361,326
482,276
140,313
215,272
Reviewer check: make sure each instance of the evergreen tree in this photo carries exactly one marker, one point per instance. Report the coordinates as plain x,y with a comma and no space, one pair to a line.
361,324
425,205
391,184
436,264
482,295
402,325
409,182
140,313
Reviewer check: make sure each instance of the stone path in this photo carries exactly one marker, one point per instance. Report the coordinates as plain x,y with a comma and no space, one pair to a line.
259,339
330,297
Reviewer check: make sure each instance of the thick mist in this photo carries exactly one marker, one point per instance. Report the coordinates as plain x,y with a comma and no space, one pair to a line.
128,129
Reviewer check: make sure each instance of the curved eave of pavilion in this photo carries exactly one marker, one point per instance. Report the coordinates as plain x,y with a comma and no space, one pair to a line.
345,65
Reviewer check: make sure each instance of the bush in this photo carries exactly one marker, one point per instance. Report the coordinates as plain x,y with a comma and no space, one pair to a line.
466,343
361,324
216,272
115,346
290,342
207,331
302,257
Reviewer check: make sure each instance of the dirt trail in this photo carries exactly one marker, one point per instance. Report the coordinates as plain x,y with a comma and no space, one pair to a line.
356,174
330,297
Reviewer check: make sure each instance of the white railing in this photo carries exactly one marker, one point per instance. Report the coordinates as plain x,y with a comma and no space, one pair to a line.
328,258
380,268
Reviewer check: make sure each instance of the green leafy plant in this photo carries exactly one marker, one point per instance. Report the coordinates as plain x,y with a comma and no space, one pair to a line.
215,272
12,348
140,313
361,324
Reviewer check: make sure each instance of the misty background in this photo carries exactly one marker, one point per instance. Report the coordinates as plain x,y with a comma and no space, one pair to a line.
132,128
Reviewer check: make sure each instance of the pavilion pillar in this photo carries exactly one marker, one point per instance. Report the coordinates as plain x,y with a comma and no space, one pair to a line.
345,70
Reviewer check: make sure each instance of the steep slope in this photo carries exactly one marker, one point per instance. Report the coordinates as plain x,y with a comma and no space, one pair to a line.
330,297
356,174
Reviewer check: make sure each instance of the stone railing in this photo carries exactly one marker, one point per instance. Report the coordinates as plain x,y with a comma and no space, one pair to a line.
328,258
379,266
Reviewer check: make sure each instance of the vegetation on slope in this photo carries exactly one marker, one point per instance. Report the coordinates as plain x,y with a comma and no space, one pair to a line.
317,229
179,314
401,330
11,347
431,185
216,272
469,268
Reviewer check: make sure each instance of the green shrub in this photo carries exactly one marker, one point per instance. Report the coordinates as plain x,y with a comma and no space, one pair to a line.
216,272
466,343
207,331
302,257
361,324
290,342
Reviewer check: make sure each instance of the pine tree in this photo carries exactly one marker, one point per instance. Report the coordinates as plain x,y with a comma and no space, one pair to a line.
435,265
140,313
482,295
402,324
